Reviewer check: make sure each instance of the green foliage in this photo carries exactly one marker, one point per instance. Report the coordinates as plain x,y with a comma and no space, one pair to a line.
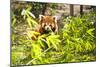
53,5
76,41
79,37
29,17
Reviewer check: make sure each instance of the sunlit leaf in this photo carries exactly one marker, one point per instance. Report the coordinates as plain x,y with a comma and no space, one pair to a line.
90,32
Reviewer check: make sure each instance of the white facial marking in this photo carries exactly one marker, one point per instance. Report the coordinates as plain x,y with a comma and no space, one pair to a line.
48,28
52,25
42,24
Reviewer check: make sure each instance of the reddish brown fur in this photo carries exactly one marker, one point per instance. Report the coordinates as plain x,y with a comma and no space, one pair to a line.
47,20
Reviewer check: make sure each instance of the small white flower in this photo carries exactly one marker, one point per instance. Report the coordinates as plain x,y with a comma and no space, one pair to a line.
92,22
83,35
67,17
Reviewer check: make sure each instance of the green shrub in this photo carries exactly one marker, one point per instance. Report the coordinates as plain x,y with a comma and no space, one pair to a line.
76,42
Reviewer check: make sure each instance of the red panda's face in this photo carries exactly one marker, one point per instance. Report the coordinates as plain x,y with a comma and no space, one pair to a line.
48,23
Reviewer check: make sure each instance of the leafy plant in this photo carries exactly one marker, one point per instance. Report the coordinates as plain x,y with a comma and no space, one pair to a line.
29,17
75,42
79,37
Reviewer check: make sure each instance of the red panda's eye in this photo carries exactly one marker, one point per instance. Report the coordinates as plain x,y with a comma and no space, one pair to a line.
50,25
44,25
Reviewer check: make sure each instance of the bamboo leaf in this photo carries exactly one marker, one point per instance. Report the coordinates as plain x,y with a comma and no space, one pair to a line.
90,31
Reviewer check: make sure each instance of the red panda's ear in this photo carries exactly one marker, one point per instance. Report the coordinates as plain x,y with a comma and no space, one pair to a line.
40,18
55,18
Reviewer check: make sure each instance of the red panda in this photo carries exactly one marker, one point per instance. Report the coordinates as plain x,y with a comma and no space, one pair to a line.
47,24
